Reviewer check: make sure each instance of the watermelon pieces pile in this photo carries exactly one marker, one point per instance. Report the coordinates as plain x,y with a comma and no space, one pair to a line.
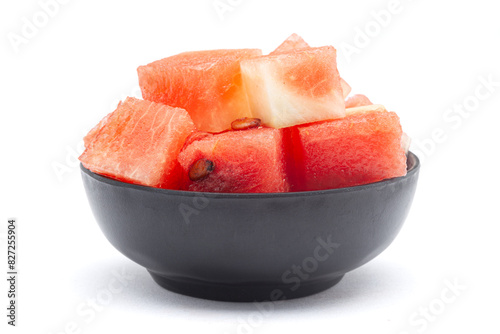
237,121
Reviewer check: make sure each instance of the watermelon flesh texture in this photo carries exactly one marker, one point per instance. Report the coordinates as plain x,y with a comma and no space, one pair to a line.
207,84
296,87
95,130
249,161
369,108
355,150
293,42
138,143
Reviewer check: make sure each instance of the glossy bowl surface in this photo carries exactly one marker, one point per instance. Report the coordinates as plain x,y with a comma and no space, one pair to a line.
251,247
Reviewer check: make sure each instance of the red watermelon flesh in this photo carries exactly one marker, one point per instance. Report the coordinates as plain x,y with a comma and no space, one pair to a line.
138,143
293,42
249,161
405,139
206,83
358,100
95,130
297,87
355,150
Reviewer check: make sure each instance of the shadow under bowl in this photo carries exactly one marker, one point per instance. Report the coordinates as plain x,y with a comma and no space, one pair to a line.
251,247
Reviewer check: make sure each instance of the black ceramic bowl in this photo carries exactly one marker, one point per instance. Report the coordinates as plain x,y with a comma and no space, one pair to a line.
251,247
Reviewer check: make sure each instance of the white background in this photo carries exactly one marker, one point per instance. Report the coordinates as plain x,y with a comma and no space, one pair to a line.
428,57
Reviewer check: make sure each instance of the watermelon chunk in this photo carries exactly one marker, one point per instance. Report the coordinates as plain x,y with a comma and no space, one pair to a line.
249,161
405,139
365,109
95,130
207,84
296,87
358,100
138,143
346,89
359,149
293,42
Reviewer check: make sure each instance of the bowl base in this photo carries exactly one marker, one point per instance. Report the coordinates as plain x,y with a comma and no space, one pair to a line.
241,292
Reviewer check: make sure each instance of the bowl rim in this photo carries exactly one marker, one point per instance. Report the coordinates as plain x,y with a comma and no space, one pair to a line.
410,172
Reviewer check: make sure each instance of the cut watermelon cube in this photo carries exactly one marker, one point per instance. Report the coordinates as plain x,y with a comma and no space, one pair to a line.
366,109
346,89
296,42
249,161
206,83
369,108
293,42
95,130
358,100
138,143
359,149
296,87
